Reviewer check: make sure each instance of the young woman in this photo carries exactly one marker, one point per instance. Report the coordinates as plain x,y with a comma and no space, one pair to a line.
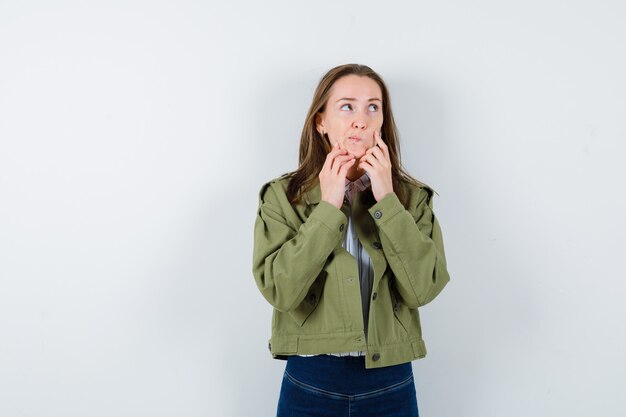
346,248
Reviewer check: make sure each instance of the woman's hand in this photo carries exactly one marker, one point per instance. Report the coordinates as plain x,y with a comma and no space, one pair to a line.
377,164
333,175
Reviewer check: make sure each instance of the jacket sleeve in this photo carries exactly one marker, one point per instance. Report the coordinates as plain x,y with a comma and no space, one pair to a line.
286,259
413,246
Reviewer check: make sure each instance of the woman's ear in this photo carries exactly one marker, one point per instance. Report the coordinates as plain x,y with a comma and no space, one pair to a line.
319,124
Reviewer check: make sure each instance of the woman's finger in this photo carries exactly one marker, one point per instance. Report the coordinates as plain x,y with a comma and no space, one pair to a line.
382,145
339,161
379,155
366,166
371,159
343,171
331,155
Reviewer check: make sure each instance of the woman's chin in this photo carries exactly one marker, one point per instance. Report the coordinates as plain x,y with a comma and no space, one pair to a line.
355,155
355,150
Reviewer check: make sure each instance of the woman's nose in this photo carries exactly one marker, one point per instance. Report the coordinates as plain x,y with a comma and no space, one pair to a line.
359,124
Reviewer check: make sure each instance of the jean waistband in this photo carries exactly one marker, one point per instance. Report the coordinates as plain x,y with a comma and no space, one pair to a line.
345,374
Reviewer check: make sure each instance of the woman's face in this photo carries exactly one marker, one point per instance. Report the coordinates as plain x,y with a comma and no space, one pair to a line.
352,114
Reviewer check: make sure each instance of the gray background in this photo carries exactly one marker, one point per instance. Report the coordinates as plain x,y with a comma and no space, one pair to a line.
134,137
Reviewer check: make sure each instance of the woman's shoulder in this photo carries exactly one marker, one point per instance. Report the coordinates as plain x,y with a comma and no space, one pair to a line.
275,190
417,192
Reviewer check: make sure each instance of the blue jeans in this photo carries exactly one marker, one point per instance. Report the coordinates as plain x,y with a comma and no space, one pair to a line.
341,386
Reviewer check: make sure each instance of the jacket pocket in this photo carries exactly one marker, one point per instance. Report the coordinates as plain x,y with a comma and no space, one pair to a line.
311,300
399,309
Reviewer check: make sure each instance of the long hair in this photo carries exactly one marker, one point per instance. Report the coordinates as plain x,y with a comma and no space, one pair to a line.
314,147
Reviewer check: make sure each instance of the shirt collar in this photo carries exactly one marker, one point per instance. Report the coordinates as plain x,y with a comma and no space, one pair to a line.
360,183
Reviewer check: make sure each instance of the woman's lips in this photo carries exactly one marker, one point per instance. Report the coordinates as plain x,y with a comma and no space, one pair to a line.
354,138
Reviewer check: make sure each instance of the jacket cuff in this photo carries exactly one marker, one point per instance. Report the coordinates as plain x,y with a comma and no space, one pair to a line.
330,216
386,208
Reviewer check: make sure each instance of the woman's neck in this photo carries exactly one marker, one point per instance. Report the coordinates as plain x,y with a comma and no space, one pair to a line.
354,172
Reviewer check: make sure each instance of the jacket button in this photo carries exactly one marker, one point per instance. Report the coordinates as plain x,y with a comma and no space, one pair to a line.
375,357
396,307
312,298
374,296
377,245
378,214
341,227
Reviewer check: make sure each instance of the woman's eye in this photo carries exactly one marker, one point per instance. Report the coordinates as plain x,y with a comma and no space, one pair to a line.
372,107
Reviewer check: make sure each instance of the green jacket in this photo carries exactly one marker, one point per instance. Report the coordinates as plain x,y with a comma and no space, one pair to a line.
303,271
